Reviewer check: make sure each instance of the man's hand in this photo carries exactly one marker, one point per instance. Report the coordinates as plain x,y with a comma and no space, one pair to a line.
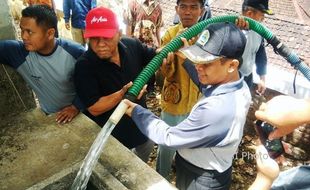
168,63
66,114
261,87
267,170
284,112
67,25
143,91
125,88
242,23
131,106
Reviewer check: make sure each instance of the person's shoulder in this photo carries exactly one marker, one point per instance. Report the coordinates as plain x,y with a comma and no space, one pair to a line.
13,48
8,44
83,58
174,27
69,43
73,48
82,63
172,30
87,58
128,41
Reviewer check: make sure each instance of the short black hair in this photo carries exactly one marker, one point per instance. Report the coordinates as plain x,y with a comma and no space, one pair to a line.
201,1
44,15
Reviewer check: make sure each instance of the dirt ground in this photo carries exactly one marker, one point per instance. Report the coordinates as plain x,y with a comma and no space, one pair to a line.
244,164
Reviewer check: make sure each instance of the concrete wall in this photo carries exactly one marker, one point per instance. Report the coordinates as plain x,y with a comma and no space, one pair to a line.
15,96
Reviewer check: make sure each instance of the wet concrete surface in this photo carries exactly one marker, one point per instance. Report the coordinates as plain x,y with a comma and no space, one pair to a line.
34,147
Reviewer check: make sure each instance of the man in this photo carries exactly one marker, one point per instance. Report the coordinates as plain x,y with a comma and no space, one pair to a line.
209,137
206,14
104,73
255,52
50,3
143,20
287,113
76,10
45,63
179,93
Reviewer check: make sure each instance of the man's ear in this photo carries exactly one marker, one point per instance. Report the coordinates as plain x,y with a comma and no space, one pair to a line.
51,33
233,65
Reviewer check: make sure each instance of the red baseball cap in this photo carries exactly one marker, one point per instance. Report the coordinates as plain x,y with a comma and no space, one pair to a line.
101,22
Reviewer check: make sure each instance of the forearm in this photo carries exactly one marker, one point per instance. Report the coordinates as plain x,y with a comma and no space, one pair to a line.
106,103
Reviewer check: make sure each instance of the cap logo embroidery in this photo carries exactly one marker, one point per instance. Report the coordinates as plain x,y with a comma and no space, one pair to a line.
204,38
98,20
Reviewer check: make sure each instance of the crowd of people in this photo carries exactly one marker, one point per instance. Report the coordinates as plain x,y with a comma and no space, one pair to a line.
205,96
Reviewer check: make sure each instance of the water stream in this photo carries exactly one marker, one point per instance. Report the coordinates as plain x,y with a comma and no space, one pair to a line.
80,181
82,177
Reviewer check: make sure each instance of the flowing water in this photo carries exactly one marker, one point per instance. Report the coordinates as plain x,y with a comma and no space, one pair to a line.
80,181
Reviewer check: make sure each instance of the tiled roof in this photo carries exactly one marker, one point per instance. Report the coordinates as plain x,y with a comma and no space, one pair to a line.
295,35
290,24
304,5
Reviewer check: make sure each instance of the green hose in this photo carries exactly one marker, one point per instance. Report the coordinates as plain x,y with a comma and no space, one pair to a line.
176,43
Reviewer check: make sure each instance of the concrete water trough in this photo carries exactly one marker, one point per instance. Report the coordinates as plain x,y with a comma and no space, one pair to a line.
37,153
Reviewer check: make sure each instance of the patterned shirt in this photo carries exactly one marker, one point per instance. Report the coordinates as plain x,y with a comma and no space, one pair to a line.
179,93
145,20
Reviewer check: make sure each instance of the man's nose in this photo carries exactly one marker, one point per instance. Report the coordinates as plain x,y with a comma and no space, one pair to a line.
102,42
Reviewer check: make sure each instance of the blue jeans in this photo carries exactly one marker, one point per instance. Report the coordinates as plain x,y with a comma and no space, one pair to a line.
292,179
165,154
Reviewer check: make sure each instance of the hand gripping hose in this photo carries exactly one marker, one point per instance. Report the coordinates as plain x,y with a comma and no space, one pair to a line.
193,31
